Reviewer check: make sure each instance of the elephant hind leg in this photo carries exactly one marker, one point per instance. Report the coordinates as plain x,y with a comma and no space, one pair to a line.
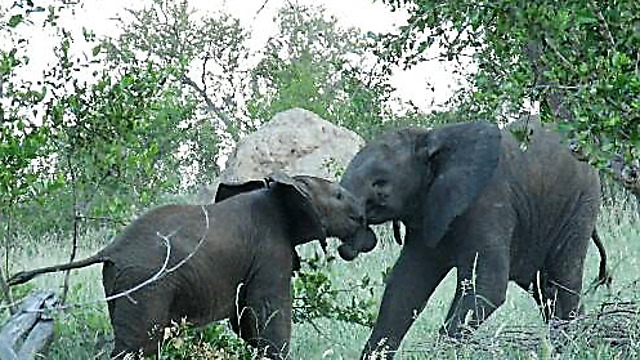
557,287
564,288
543,295
138,321
564,267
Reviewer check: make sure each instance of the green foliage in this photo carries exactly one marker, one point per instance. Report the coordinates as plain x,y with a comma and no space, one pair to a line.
95,149
315,295
80,335
117,132
579,59
183,342
314,64
173,35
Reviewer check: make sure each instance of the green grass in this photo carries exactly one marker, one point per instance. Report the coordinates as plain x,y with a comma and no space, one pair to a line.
84,332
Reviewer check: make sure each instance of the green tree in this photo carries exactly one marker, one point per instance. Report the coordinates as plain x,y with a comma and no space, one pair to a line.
23,143
314,64
578,59
98,145
206,51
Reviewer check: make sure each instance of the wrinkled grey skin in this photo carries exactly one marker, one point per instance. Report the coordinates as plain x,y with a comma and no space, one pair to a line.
241,270
470,198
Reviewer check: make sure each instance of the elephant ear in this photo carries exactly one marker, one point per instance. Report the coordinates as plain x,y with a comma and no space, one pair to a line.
228,190
463,158
303,219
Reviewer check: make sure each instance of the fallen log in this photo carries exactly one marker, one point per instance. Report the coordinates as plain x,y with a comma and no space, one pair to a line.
30,330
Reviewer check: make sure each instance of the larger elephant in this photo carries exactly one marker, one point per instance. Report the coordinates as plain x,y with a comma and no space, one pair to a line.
473,198
232,259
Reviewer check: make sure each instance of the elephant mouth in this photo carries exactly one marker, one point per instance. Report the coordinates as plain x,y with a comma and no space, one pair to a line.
376,214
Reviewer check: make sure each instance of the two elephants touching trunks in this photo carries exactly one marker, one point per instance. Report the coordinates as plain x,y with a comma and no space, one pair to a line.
472,198
231,259
469,196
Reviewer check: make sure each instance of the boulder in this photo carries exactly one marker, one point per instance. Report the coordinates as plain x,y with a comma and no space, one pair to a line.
297,142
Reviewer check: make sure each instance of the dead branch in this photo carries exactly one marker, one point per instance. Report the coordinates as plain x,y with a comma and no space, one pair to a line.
30,330
200,242
162,272
211,107
603,24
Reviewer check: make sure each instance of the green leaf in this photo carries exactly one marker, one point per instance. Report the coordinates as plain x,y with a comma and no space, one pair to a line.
15,20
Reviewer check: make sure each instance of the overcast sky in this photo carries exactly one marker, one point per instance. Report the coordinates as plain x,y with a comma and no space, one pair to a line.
257,17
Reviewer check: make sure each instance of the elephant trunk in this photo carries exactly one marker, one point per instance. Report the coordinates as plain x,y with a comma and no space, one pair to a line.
363,240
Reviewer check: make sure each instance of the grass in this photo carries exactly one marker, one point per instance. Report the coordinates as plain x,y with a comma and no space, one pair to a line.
84,332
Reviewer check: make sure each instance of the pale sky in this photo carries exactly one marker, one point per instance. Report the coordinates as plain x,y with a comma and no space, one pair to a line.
98,15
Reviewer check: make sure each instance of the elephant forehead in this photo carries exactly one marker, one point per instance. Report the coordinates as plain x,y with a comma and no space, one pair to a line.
381,159
393,144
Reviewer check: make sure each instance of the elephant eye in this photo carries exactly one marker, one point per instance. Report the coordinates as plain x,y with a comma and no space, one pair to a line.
339,195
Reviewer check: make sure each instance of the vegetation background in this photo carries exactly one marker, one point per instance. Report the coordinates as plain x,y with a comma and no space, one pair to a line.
143,118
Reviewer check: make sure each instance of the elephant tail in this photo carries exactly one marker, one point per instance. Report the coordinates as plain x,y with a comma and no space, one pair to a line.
604,278
24,276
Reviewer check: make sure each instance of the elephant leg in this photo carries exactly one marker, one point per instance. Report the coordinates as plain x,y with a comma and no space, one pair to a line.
481,289
138,321
563,285
264,318
540,291
414,278
453,307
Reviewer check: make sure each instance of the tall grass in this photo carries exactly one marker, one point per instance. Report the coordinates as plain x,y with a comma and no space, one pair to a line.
84,332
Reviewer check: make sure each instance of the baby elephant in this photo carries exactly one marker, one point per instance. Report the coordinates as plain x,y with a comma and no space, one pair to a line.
232,259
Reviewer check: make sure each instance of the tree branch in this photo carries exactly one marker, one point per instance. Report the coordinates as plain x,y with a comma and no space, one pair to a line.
211,107
74,247
603,24
261,8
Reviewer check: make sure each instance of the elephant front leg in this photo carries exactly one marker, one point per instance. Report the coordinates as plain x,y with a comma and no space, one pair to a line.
481,289
264,320
414,278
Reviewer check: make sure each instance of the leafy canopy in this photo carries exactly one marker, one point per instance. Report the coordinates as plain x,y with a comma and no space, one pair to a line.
579,60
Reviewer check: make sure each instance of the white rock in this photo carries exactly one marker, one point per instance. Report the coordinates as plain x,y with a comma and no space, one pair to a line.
297,142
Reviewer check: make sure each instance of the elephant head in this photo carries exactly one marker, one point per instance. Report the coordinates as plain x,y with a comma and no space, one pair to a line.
424,178
319,208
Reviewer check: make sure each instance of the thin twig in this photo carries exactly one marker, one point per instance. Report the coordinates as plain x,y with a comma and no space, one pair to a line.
74,248
162,272
150,280
101,218
604,24
564,60
261,8
200,242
